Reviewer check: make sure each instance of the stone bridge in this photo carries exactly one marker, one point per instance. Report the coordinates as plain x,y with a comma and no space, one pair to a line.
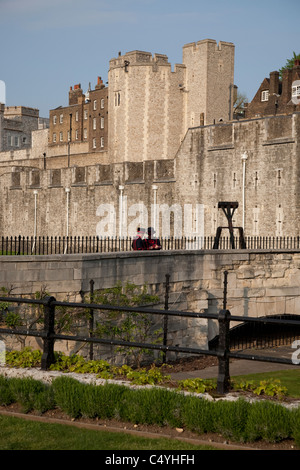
260,283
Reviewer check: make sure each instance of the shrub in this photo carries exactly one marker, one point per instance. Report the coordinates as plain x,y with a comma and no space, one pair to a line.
69,395
198,414
230,417
25,391
268,421
6,395
152,406
102,401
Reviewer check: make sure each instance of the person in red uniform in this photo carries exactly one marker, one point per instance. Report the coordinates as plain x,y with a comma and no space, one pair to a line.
152,242
138,242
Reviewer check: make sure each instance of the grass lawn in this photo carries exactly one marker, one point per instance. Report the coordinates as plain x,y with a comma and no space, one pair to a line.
22,434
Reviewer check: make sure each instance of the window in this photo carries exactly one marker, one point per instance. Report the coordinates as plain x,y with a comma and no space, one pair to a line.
94,123
102,142
102,103
76,134
69,136
85,114
117,98
102,123
60,136
17,141
61,118
9,140
265,95
94,143
95,105
85,133
76,116
54,120
54,137
296,91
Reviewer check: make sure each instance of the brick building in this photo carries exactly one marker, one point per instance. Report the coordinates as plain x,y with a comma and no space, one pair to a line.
84,120
277,96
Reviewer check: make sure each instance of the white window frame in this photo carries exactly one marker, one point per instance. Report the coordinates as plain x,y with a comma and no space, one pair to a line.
102,142
265,95
60,136
54,137
95,105
76,116
85,133
85,114
102,103
94,143
102,122
76,134
61,118
54,119
296,90
94,124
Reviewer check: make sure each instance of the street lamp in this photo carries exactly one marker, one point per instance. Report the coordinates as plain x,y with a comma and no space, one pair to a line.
35,219
244,159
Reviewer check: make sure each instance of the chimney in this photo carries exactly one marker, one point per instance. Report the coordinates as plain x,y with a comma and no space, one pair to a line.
75,94
100,84
286,85
274,83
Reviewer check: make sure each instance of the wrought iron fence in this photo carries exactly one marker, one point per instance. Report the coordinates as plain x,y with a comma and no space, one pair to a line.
45,245
222,351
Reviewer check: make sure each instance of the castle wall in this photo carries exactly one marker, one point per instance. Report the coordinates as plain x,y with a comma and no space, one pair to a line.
212,157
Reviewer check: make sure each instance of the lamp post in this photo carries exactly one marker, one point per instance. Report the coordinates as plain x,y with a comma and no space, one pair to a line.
244,159
35,219
67,193
154,215
67,190
121,188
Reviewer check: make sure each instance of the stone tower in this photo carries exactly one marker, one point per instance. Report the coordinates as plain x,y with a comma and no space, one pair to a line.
145,107
151,107
209,82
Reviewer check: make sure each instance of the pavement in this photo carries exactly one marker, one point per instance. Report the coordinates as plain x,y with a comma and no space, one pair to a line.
245,366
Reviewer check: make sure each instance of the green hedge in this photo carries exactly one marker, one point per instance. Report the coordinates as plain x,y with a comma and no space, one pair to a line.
239,420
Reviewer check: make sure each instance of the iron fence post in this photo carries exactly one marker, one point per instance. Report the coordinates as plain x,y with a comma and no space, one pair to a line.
166,316
222,353
48,340
91,319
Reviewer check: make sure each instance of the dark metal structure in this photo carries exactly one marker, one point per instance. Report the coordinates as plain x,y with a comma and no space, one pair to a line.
229,208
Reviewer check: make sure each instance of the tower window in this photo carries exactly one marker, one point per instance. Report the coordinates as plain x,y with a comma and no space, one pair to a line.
265,95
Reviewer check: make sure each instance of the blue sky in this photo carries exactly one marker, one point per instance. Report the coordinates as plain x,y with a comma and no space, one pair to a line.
48,46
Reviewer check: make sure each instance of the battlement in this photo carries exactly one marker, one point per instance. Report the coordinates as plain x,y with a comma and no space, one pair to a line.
209,43
14,111
138,58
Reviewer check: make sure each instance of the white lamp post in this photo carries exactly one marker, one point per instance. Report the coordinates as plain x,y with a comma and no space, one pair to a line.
244,159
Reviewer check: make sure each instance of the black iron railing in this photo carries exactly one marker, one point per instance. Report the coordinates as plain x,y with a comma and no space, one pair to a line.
20,245
222,350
